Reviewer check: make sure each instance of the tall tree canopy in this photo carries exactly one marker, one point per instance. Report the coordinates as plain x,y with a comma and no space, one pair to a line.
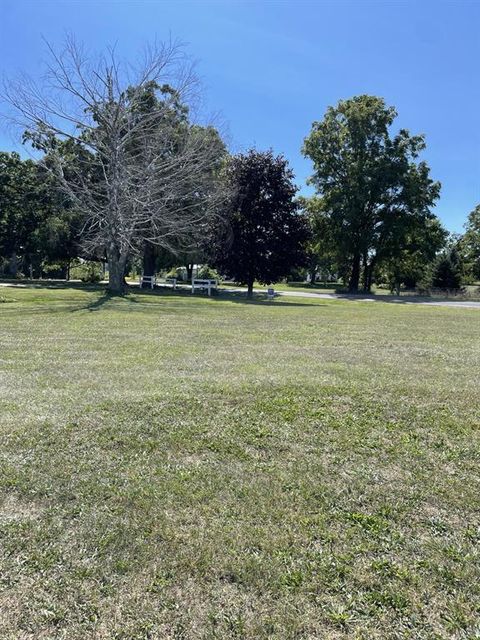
469,244
144,165
196,198
373,188
447,270
265,234
413,258
321,250
36,223
19,213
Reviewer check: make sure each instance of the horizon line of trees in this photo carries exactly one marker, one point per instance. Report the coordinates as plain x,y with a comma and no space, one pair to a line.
126,176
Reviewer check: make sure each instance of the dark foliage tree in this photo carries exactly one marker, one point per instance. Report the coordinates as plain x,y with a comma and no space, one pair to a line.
265,234
371,183
447,271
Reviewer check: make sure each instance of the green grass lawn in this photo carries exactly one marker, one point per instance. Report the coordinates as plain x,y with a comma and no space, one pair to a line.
183,467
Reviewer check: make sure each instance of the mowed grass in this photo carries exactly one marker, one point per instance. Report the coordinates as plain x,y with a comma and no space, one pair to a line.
182,467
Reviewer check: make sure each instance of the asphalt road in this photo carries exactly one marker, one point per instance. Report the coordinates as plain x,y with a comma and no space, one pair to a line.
467,304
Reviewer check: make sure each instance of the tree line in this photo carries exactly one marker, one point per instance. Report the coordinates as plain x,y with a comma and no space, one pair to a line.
123,173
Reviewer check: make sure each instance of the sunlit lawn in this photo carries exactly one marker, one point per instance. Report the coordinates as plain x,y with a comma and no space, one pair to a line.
182,467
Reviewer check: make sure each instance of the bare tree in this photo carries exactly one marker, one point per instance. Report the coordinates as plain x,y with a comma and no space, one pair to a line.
119,140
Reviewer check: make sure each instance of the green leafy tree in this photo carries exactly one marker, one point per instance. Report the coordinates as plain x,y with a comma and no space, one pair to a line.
265,234
188,249
19,211
372,184
469,245
320,249
447,272
412,259
36,224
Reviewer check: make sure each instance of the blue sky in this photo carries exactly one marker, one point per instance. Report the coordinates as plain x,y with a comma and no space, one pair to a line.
271,68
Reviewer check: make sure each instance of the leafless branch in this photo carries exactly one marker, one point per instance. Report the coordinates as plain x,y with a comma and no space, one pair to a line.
139,173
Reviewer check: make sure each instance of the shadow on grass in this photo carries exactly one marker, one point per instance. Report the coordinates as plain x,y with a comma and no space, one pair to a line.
221,296
96,305
153,298
260,299
52,284
135,296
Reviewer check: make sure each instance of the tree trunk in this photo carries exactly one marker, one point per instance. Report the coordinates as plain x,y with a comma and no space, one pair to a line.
355,274
366,277
13,265
369,278
250,289
116,272
189,268
369,275
149,259
365,273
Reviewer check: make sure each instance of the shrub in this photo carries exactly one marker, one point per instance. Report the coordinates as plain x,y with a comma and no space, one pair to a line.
177,272
86,271
207,273
54,270
297,275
